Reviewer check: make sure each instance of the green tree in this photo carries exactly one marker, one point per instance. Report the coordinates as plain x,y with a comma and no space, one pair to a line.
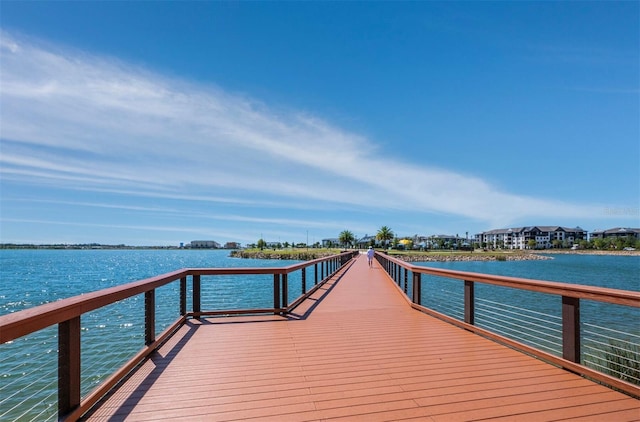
262,244
629,242
385,234
531,243
346,238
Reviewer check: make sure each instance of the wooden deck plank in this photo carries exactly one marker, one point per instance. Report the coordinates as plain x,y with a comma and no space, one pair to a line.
361,354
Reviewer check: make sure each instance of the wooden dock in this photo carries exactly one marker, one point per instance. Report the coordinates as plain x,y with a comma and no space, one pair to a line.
354,351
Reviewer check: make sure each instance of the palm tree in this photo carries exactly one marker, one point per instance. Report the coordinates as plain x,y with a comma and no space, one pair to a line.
346,238
385,234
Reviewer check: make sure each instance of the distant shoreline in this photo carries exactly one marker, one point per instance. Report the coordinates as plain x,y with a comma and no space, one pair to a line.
308,254
407,257
539,255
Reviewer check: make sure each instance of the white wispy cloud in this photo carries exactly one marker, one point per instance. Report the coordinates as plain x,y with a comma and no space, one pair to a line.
90,122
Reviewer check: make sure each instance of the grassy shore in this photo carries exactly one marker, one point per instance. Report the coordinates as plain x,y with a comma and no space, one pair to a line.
303,254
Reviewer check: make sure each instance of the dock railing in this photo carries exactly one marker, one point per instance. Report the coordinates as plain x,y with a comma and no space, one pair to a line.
549,320
71,376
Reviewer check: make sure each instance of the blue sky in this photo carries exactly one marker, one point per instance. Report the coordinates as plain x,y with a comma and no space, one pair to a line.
155,123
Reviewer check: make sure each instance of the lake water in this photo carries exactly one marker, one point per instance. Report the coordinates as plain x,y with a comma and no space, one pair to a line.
110,336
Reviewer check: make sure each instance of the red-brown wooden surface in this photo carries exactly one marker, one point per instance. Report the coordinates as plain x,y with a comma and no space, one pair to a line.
357,351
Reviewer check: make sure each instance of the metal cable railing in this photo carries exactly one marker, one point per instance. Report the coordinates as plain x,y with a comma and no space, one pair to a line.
28,390
523,324
446,301
612,351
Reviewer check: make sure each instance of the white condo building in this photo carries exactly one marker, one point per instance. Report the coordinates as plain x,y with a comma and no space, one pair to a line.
519,237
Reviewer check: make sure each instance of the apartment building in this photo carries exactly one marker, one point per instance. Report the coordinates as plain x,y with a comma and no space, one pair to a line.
519,237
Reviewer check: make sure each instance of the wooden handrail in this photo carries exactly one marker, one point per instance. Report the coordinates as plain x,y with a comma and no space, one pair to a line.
21,323
27,321
578,291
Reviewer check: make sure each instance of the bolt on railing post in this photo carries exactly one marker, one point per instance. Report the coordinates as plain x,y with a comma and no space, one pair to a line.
417,288
183,296
571,328
196,294
469,302
276,293
149,317
68,366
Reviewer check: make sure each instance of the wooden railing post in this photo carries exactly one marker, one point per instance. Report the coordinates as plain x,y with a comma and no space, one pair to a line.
417,288
571,328
196,294
68,366
276,293
304,280
469,302
183,295
285,290
406,281
315,274
149,317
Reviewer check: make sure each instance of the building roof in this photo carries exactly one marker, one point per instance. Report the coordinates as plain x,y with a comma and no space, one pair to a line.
618,230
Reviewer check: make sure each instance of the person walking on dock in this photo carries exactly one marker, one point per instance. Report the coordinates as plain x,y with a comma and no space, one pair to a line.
370,256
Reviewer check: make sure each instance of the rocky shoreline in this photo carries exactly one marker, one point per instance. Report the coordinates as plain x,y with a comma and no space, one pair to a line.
455,257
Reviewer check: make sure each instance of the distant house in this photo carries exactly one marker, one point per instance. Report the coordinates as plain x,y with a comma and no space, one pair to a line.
616,232
232,245
367,241
331,242
545,237
444,241
205,244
